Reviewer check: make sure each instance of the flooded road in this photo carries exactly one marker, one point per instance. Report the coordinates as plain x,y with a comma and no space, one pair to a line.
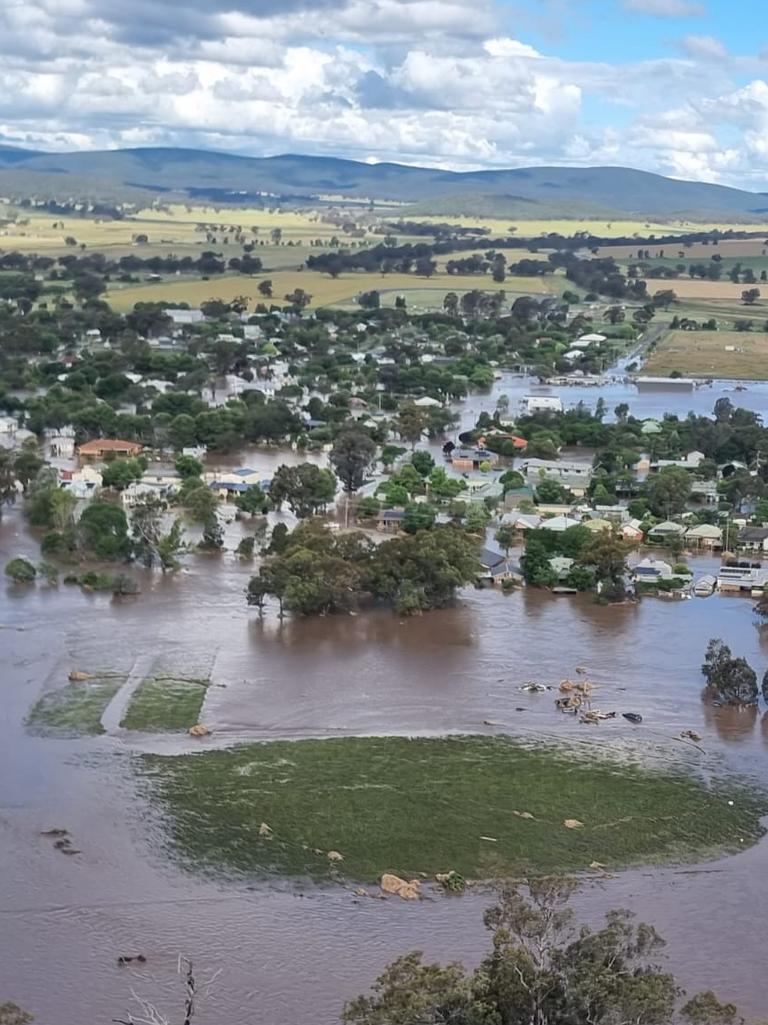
288,958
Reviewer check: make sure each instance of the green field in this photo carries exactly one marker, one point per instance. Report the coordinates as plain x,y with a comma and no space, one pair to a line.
432,805
704,354
165,704
75,709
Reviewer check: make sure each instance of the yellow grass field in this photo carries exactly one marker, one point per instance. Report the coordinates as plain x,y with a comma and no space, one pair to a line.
736,248
325,291
695,288
169,230
604,229
705,354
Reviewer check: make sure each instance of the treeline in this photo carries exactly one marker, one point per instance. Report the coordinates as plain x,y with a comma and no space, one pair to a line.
71,265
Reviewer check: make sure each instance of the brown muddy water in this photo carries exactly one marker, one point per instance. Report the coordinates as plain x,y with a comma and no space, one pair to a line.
287,957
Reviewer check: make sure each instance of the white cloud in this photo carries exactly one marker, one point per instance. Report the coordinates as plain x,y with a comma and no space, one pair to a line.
703,48
667,8
440,82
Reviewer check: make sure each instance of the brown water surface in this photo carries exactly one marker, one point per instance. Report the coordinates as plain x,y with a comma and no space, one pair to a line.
288,958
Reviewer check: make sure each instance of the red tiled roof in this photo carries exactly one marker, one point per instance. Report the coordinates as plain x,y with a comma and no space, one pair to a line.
106,445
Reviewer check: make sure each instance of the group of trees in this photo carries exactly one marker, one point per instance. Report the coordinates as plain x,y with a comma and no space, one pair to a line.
599,559
316,571
543,969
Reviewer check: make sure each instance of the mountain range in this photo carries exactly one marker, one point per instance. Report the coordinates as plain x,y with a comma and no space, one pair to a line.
531,192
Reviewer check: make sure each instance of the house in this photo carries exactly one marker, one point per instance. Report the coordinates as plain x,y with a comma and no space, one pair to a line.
554,509
182,317
467,459
665,531
390,520
598,525
108,448
541,404
83,483
244,475
561,566
614,513
753,539
742,576
651,570
586,340
631,530
705,535
159,476
521,521
426,402
690,461
496,567
559,523
491,489
227,488
704,491
8,425
557,469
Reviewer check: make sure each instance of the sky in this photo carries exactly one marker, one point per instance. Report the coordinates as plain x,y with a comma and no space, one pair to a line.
674,86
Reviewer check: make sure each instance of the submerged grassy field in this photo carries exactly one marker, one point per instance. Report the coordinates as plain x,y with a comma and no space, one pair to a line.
165,704
431,805
74,710
705,354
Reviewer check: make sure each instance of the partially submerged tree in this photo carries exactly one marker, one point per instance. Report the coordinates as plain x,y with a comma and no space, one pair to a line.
730,680
21,571
542,969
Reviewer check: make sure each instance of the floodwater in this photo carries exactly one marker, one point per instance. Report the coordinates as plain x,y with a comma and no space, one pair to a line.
287,957
291,958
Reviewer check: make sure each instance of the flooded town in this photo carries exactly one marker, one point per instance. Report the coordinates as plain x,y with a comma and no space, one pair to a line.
384,602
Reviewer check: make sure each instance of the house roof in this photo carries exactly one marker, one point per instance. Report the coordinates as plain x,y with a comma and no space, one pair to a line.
704,530
559,523
489,559
667,527
753,534
598,524
392,514
221,485
106,445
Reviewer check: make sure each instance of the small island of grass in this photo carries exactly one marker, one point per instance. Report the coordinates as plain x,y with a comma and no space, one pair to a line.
165,704
76,709
484,807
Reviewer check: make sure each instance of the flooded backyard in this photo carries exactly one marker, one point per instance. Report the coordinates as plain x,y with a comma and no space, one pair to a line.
288,956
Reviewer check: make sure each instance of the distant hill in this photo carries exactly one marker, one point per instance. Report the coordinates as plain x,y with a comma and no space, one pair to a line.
532,192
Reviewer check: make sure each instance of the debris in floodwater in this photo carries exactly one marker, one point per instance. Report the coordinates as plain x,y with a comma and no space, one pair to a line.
573,824
127,958
690,735
399,887
55,832
633,717
534,688
452,881
198,730
593,717
79,677
334,856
